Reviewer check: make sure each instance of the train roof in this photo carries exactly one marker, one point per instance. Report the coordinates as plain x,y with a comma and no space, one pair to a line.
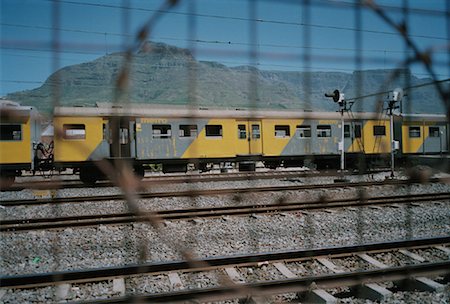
8,103
11,111
424,117
158,111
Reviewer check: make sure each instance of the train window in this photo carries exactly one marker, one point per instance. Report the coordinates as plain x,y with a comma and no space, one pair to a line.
379,130
256,133
323,131
123,139
347,131
414,132
282,131
434,132
242,132
188,131
357,131
303,131
105,132
213,130
161,131
10,132
74,131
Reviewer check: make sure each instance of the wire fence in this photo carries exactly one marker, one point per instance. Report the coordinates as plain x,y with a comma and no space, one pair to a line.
257,52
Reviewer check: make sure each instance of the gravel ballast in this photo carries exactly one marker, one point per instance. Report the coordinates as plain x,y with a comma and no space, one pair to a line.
114,245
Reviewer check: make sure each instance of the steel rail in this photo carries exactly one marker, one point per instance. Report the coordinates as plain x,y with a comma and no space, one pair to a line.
178,179
95,274
295,285
192,213
192,193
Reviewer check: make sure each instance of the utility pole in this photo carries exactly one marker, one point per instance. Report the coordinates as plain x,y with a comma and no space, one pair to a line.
339,98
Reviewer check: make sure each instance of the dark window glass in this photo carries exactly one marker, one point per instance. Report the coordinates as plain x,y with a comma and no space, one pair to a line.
256,133
105,132
434,132
162,131
123,136
242,132
74,131
414,132
379,130
213,130
303,131
188,131
323,131
282,131
357,131
346,131
10,132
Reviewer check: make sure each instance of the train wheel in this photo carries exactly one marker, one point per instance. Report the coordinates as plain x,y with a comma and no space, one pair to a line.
271,164
139,171
6,182
88,176
247,166
203,167
174,168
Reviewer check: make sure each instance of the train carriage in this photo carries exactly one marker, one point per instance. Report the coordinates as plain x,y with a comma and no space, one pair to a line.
424,134
20,130
176,136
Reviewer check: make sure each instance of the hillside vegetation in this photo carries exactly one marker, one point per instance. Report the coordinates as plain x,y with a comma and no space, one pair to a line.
171,75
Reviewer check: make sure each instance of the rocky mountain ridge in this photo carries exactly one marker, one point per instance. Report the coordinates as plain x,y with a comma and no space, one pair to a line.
169,75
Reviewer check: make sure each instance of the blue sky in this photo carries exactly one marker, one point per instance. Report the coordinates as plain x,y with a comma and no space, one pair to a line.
88,29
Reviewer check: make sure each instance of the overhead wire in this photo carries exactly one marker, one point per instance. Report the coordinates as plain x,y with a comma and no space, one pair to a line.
354,4
215,41
258,20
406,88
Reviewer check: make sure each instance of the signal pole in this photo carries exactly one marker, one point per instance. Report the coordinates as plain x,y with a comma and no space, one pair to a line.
339,98
397,96
392,139
341,144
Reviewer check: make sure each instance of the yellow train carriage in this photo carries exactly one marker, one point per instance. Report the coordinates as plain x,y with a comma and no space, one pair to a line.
19,134
424,134
176,136
77,139
217,138
376,134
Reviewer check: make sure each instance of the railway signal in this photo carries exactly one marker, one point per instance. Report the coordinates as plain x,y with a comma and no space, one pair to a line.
337,97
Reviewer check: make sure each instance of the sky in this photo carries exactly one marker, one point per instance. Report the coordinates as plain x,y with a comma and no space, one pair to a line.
39,37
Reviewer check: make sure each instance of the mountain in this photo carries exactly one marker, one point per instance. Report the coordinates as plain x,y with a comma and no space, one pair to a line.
171,75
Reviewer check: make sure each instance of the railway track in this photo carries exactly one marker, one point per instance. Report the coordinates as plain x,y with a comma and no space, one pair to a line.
209,192
195,213
413,272
177,179
172,179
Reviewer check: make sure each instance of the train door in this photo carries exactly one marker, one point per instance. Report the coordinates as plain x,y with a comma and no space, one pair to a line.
132,138
444,138
347,137
255,137
104,148
122,135
436,142
353,137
